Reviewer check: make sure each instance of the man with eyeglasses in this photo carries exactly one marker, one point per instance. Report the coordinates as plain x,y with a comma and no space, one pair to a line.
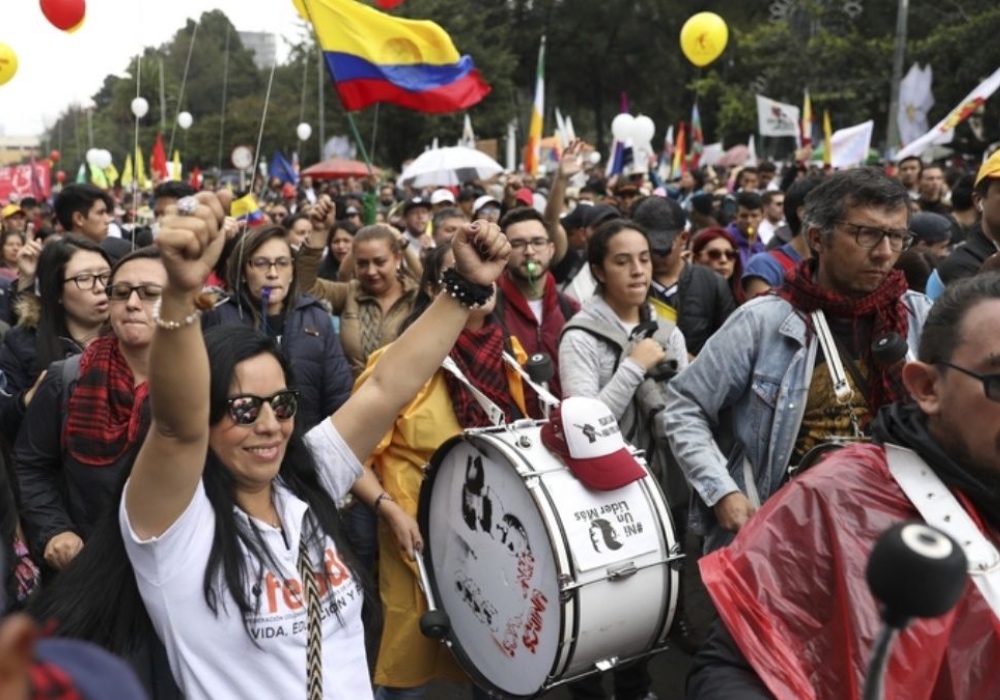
532,308
800,563
794,370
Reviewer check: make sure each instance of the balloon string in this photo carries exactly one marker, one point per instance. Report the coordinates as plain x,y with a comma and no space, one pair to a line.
263,118
180,96
135,145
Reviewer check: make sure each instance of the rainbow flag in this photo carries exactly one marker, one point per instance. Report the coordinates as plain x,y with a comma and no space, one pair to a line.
531,160
680,154
245,209
697,138
374,57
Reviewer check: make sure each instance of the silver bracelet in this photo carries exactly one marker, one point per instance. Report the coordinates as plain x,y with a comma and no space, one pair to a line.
173,325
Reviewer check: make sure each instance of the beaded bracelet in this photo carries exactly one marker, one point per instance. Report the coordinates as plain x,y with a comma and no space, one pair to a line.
384,496
468,294
173,325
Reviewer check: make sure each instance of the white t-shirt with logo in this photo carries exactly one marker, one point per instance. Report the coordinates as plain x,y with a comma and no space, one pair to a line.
213,657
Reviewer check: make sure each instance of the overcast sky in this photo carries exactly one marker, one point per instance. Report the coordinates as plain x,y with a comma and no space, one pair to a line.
57,69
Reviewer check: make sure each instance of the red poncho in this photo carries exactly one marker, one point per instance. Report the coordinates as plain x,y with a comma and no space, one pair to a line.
791,589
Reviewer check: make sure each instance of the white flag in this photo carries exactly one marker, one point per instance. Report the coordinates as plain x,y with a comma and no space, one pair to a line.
751,161
849,147
570,131
468,135
915,101
777,118
944,130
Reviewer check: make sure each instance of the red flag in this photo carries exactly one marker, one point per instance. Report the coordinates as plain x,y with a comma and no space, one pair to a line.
388,4
195,180
158,159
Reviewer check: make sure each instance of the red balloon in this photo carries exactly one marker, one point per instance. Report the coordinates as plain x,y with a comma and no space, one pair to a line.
60,177
66,15
55,156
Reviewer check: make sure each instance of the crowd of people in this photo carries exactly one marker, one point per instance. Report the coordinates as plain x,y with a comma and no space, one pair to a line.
230,420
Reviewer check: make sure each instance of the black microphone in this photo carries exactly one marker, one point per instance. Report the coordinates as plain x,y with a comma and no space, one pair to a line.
889,348
914,570
540,368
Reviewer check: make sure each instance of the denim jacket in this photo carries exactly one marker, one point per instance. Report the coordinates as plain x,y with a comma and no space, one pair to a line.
760,361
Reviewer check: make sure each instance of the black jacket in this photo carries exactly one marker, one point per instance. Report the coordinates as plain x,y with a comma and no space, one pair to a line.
320,371
59,494
967,258
704,302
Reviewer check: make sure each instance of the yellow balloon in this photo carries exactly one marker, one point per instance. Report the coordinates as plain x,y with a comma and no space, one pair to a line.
8,63
704,37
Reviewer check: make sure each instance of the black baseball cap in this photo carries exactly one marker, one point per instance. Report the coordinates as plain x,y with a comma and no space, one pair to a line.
663,219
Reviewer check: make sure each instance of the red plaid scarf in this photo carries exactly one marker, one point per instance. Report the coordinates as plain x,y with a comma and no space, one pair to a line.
49,682
479,354
884,305
105,416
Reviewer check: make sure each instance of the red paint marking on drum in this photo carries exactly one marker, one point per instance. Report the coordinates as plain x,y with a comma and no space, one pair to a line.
533,628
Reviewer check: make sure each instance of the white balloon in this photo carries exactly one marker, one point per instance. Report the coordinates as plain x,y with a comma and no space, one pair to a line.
621,126
103,158
140,107
643,129
595,157
303,131
92,156
185,120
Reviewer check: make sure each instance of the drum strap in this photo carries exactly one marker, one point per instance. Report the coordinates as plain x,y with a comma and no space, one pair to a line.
544,394
494,412
939,508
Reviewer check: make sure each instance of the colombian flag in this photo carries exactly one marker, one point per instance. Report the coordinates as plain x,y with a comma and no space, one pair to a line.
245,209
374,57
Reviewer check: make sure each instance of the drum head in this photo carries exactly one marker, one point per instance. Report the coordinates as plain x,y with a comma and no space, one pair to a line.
492,565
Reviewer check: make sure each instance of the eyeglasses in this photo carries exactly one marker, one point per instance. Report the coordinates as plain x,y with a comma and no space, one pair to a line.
121,291
265,264
716,254
871,236
991,382
244,409
536,243
87,281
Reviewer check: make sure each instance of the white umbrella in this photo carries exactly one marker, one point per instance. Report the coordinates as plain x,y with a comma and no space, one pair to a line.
449,166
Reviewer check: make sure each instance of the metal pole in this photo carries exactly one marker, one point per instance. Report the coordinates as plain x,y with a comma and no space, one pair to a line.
892,130
322,118
163,99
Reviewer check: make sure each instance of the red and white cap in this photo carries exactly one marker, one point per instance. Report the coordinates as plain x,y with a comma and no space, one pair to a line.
585,433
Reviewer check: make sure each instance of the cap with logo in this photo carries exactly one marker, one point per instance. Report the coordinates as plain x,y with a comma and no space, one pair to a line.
415,202
585,434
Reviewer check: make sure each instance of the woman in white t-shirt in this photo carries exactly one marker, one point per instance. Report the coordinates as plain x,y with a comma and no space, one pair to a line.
225,506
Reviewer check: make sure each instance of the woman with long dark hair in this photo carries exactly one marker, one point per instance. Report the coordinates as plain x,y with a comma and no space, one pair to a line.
67,315
268,605
338,247
264,295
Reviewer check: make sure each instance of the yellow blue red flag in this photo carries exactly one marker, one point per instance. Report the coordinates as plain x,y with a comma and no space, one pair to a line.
374,57
245,209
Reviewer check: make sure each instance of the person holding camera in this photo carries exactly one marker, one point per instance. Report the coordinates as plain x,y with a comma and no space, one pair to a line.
617,350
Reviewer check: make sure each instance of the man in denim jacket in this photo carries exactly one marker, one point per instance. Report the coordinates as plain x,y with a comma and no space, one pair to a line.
763,377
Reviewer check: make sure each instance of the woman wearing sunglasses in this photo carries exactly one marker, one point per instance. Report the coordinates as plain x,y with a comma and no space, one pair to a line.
715,248
80,431
229,521
261,277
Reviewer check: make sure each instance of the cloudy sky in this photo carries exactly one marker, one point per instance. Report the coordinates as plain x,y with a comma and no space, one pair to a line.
57,69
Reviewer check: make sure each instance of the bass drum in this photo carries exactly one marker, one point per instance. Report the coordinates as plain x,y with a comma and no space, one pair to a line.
543,580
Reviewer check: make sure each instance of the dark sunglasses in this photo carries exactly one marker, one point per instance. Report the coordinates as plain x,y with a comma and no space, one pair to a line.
991,382
244,409
716,254
121,291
